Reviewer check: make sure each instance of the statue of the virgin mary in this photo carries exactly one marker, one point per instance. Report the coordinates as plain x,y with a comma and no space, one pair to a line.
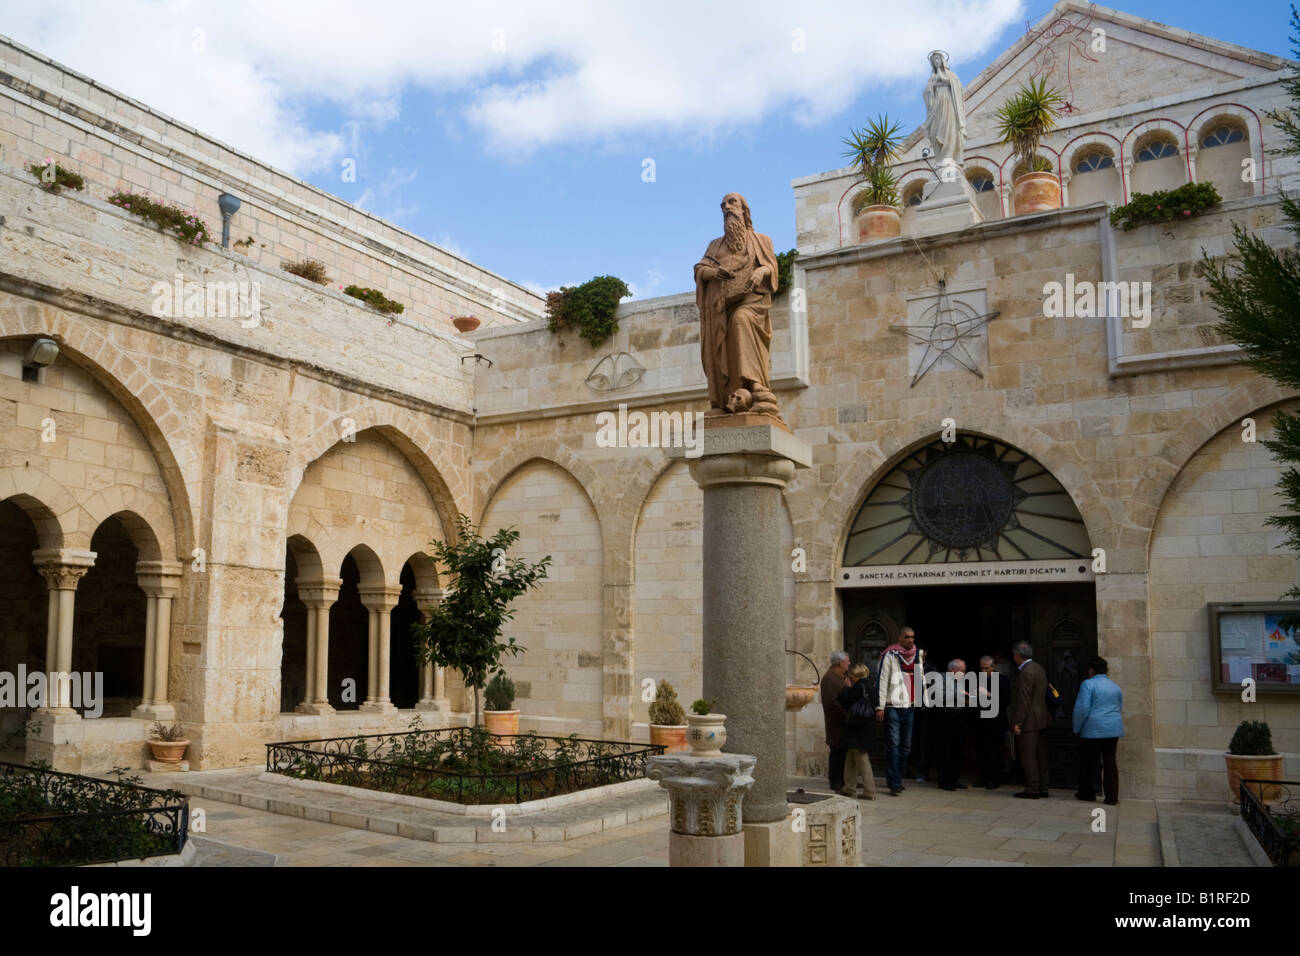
945,112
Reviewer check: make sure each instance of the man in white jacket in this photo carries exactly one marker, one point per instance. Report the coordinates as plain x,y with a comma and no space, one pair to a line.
902,688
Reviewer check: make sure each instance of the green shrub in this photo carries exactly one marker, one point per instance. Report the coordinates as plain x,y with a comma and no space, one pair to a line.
665,709
54,177
1251,739
500,692
589,308
1165,205
375,299
703,707
182,224
785,270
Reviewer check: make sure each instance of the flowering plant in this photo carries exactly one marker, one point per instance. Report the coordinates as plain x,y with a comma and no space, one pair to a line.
181,223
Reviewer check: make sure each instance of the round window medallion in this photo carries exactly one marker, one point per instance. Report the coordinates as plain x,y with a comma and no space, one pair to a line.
962,500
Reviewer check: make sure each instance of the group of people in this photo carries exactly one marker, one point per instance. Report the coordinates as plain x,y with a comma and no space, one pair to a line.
1010,704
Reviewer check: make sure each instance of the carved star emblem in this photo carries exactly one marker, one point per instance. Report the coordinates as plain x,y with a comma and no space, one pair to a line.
943,329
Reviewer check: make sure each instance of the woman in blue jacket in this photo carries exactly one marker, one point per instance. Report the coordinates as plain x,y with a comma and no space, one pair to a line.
1098,720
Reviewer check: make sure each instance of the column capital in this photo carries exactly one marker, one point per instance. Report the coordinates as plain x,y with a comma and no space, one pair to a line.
381,597
428,597
62,568
159,578
319,592
705,793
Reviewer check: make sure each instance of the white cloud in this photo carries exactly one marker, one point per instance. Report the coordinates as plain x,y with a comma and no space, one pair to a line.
524,75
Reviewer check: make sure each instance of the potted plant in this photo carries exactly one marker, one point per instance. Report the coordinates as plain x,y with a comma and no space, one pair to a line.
706,732
462,631
499,714
667,719
799,696
873,151
1250,756
167,744
465,323
1022,121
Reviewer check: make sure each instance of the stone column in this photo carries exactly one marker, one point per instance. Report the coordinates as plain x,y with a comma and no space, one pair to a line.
705,796
742,470
62,569
161,582
379,601
433,679
319,597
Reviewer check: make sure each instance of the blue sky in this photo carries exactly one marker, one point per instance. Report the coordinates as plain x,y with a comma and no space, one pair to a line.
517,134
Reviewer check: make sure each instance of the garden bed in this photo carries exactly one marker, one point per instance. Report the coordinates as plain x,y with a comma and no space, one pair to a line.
49,818
463,765
1275,822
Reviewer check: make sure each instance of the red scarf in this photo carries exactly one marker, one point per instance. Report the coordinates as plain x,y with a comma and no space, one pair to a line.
907,662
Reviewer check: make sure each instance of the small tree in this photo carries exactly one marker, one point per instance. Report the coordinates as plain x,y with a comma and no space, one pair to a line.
872,151
1257,295
464,630
1025,118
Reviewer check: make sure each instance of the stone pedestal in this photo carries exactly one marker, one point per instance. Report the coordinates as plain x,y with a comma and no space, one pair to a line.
705,795
834,829
950,207
742,471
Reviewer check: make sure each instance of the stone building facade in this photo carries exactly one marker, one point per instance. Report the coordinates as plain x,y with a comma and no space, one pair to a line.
231,522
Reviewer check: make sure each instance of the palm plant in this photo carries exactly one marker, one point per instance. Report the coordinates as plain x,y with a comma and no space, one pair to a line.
1025,118
871,151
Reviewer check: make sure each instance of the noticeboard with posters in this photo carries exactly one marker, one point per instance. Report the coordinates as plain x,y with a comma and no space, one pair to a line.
1256,640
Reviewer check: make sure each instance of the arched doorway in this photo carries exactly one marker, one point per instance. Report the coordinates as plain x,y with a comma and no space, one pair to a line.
111,618
404,680
349,646
23,608
975,546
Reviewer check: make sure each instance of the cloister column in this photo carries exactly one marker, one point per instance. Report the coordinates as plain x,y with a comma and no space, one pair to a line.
319,596
161,582
62,569
433,679
379,601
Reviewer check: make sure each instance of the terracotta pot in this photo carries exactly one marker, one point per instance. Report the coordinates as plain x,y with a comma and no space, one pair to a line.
1036,192
798,697
168,751
706,733
672,737
465,323
503,723
878,222
1262,767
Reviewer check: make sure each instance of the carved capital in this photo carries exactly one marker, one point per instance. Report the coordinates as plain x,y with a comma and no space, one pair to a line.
380,598
705,793
62,568
320,592
743,469
158,578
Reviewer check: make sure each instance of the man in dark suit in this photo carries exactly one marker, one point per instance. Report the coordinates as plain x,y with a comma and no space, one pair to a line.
1030,719
832,684
991,731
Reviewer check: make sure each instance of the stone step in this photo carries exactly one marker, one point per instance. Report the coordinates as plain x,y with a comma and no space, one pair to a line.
245,787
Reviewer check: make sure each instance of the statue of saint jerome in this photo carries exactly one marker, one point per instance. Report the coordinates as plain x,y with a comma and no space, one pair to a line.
734,284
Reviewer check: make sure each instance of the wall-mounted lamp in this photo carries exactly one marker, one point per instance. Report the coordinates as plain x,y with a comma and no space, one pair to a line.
229,205
478,359
38,358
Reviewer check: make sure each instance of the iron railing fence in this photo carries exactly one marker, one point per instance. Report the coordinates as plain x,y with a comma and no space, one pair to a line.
463,764
1275,823
50,818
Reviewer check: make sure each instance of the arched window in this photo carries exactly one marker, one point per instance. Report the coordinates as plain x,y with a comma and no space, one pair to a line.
1157,163
1095,177
1157,149
1093,161
1224,157
975,499
986,194
1222,136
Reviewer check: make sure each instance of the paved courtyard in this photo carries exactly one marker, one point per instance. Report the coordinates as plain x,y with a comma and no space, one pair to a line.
925,826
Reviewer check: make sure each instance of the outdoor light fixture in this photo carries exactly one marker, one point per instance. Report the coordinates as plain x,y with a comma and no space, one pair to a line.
38,358
229,205
477,359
